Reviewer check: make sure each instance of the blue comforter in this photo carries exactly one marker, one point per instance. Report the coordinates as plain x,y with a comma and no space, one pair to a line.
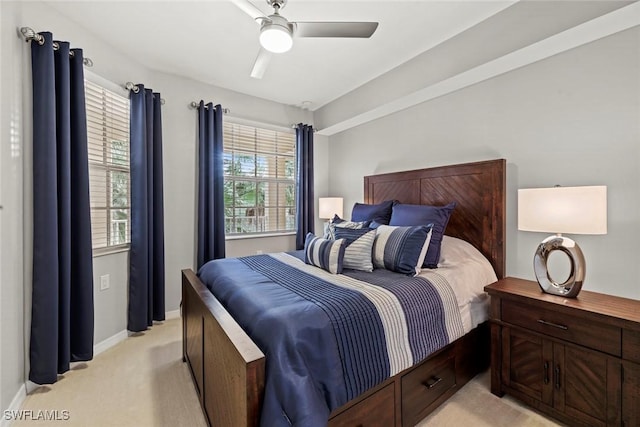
328,338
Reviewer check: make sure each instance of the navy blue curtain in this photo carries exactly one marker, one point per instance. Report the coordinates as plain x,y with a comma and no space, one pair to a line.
305,212
146,257
62,299
211,244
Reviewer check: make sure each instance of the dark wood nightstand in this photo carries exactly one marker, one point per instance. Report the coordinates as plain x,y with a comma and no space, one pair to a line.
576,359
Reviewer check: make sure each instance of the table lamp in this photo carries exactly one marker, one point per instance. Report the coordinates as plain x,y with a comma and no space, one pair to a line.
328,207
572,210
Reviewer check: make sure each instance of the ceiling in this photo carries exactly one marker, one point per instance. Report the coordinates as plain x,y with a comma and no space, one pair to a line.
214,42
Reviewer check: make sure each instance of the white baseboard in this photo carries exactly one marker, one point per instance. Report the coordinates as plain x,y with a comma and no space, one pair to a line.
174,314
29,386
15,405
120,336
109,342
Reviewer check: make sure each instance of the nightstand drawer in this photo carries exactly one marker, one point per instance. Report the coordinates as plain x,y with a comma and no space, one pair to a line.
573,328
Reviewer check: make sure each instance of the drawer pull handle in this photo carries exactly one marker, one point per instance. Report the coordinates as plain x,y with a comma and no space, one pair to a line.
546,372
432,382
555,325
557,375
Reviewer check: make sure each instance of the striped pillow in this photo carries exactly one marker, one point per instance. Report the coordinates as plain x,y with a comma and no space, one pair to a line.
401,249
357,254
323,253
338,222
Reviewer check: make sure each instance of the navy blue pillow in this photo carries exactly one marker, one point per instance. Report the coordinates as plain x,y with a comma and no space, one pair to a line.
422,215
380,213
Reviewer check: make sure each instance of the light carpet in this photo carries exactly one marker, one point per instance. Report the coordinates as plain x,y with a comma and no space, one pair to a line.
143,382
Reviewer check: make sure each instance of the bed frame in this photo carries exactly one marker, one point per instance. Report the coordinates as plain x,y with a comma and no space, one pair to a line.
228,369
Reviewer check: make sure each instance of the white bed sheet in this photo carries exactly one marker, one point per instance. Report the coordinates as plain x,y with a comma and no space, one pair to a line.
467,271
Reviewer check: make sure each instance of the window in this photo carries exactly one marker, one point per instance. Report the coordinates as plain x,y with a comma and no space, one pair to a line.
259,180
108,137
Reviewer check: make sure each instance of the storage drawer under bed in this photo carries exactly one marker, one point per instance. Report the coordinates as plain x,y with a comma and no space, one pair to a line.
376,410
422,386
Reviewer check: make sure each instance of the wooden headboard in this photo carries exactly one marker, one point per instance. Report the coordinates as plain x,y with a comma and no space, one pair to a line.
477,188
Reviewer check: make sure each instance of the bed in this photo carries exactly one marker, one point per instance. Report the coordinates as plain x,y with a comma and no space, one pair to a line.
228,368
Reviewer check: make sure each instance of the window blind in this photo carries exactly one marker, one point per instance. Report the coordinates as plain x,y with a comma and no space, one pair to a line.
259,187
108,146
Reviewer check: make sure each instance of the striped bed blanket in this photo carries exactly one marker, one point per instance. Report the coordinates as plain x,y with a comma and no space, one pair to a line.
328,338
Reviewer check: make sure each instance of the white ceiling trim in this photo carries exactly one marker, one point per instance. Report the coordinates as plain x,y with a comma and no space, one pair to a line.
603,26
258,124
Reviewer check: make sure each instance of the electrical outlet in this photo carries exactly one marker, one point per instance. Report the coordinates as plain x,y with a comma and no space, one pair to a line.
259,252
104,282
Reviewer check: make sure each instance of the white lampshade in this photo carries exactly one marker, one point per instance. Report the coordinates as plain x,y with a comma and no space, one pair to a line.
276,38
329,206
571,210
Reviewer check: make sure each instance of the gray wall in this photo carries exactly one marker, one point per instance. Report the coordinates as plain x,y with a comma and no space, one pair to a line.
571,119
11,305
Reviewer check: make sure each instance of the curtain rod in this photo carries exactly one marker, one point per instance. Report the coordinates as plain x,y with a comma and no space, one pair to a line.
136,89
29,35
195,104
295,126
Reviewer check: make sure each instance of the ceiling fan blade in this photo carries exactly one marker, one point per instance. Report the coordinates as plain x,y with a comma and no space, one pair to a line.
335,29
247,7
260,66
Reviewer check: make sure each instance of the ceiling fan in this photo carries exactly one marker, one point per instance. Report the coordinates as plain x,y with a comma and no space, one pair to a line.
276,32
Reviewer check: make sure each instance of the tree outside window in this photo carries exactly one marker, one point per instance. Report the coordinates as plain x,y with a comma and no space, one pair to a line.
259,187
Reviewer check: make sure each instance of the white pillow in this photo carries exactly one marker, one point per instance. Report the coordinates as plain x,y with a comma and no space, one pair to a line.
454,251
462,256
465,268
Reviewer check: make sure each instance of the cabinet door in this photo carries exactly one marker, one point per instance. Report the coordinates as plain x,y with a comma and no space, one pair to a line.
586,385
527,363
631,394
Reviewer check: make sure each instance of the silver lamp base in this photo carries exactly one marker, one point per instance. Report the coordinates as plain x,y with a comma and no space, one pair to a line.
571,287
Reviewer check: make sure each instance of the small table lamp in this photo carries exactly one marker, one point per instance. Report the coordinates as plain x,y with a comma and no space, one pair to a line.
328,207
573,210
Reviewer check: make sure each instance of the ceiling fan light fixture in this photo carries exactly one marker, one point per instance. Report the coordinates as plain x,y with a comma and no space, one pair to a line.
276,38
